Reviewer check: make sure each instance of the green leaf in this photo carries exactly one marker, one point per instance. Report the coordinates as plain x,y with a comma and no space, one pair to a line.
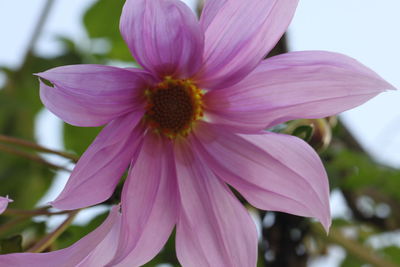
351,261
78,139
354,171
392,253
11,245
304,132
102,21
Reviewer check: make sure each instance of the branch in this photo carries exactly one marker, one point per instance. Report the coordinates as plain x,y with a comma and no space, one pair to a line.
51,237
25,143
356,249
10,224
31,157
35,212
38,29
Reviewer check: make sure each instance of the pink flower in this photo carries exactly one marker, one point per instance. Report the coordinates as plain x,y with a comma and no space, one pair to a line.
4,203
192,121
94,250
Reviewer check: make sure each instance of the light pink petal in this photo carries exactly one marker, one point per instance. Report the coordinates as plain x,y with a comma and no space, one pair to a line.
93,95
106,249
94,250
4,203
164,36
214,229
239,36
149,204
210,10
272,171
296,85
98,171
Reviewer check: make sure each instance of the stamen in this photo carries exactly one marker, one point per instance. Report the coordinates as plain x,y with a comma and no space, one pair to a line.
173,107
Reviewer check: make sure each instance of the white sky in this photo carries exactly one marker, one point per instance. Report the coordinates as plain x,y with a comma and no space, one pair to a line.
367,30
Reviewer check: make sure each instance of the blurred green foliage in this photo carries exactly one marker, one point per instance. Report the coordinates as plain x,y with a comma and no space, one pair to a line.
356,171
19,105
11,244
102,21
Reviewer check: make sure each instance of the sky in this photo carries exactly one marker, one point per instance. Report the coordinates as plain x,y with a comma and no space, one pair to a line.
367,30
364,29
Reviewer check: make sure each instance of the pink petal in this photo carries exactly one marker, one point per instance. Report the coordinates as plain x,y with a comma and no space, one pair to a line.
164,36
149,204
214,229
93,250
238,35
294,85
4,203
106,249
92,95
98,171
210,10
272,171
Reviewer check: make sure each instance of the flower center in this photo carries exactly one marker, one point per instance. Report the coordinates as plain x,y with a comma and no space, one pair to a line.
173,107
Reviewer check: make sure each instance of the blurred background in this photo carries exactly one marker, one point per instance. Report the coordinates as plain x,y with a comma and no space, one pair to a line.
360,148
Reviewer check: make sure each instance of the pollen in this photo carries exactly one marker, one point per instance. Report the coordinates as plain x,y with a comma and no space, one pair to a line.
173,107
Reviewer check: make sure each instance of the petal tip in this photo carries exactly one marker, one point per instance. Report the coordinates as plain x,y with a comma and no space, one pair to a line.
54,204
391,87
9,199
42,74
327,226
61,205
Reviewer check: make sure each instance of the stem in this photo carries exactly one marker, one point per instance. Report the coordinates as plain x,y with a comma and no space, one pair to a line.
25,215
39,211
31,157
10,224
361,252
51,237
25,143
38,29
28,55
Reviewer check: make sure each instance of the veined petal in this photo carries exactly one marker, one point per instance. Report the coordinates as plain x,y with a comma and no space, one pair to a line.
106,249
92,95
98,171
214,229
4,203
94,250
272,171
164,36
210,10
149,204
295,85
238,35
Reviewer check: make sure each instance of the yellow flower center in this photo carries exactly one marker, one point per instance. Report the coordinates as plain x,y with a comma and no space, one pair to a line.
173,106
